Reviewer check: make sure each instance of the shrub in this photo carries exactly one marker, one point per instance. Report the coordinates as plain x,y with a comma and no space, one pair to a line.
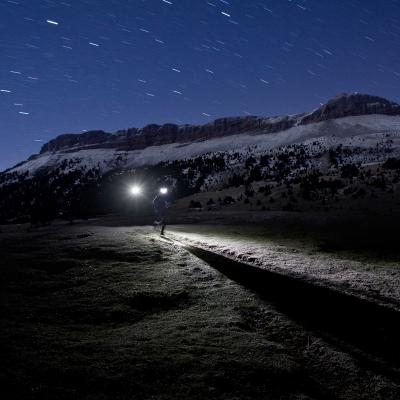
350,171
228,200
195,204
391,163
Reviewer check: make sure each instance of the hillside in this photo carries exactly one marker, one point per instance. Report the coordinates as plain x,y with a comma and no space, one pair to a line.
348,149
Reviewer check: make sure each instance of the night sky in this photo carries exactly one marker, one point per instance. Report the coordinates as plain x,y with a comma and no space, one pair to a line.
75,65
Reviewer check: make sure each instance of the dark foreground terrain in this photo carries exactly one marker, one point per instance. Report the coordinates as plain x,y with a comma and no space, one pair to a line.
90,311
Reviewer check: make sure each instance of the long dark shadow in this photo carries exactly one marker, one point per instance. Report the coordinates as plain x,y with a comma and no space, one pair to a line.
371,332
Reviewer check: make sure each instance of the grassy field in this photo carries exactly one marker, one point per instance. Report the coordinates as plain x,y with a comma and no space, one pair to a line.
91,311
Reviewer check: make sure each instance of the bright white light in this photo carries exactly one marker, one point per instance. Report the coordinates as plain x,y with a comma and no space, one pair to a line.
49,21
136,190
163,190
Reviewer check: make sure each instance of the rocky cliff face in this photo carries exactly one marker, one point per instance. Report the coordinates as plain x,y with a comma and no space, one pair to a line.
72,140
346,105
155,135
152,135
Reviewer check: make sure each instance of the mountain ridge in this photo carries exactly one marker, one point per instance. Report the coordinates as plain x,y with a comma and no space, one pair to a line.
340,106
344,154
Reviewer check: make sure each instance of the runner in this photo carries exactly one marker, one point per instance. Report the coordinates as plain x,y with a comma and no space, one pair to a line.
160,205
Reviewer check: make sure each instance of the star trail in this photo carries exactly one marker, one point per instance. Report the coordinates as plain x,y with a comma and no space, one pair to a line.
71,66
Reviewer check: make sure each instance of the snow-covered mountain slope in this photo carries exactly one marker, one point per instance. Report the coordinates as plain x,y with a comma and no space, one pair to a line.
364,131
318,157
343,116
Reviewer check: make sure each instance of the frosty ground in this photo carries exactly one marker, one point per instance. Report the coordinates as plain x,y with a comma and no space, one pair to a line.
99,310
355,255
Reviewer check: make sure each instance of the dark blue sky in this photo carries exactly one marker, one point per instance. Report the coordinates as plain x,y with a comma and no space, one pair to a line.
74,65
